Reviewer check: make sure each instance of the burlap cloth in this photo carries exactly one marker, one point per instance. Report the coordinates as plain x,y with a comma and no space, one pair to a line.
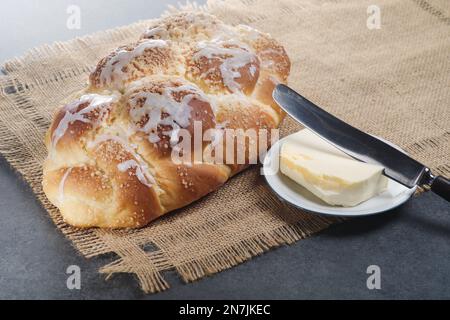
393,82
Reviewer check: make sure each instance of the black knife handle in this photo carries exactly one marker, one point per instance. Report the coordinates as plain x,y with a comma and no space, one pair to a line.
441,186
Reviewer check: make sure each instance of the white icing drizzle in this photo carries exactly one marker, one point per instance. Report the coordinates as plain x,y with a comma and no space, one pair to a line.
96,101
232,60
156,31
252,70
112,73
138,164
141,172
178,114
62,183
252,34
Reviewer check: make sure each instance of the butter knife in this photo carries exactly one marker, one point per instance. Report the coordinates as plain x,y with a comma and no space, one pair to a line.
360,145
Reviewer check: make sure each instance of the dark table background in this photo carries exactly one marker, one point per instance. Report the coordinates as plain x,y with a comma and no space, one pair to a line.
410,244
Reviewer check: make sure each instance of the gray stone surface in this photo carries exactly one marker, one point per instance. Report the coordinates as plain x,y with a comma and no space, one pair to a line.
25,24
410,244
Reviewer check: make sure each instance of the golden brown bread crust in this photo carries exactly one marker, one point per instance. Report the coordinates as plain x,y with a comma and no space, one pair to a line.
206,71
110,150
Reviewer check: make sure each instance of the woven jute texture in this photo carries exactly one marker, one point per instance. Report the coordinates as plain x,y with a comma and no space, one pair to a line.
393,82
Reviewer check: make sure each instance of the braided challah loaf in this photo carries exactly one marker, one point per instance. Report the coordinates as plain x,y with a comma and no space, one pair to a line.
109,162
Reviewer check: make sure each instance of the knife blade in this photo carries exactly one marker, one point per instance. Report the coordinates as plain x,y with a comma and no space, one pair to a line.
358,144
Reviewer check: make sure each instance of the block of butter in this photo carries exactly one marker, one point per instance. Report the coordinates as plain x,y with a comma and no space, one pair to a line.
327,172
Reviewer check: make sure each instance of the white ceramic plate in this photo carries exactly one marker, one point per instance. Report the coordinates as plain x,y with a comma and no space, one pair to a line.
298,196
